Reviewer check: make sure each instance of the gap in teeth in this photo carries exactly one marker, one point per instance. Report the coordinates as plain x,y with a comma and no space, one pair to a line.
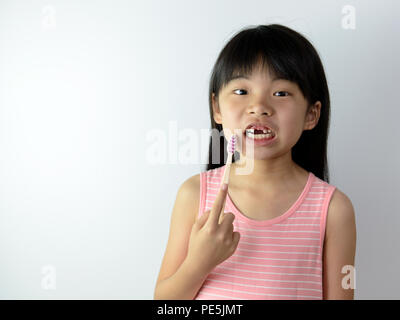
265,131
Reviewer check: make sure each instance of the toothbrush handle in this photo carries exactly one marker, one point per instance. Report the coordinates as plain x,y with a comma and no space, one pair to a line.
225,178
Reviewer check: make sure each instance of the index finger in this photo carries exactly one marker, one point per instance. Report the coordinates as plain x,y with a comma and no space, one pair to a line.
218,205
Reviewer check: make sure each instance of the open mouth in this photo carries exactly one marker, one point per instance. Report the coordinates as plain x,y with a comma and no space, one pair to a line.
259,134
258,131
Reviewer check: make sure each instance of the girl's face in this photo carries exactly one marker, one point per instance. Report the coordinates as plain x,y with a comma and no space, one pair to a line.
276,103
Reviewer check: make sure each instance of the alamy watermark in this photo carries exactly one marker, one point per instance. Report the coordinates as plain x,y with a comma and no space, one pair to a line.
49,278
349,281
48,17
182,146
349,17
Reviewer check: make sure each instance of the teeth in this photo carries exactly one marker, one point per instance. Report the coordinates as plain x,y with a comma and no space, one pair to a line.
259,136
267,134
265,131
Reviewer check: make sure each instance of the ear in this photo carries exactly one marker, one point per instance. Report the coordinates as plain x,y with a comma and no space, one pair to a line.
312,116
216,111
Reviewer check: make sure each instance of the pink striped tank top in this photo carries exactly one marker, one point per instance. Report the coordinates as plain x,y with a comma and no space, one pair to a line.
278,259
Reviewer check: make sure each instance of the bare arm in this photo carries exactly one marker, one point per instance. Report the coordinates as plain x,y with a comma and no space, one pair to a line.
339,249
179,279
182,285
195,246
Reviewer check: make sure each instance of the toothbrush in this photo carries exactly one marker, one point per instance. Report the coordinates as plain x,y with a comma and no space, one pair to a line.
231,150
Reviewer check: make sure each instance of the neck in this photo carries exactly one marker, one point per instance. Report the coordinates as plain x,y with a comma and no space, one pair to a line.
269,174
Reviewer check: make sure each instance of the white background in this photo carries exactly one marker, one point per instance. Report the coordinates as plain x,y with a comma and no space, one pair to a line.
83,82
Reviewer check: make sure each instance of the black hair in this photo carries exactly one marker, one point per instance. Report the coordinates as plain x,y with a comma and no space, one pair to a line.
289,55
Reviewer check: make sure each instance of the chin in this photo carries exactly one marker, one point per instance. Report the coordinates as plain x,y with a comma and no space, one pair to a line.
260,155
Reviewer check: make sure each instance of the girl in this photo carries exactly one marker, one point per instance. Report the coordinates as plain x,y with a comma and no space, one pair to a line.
286,233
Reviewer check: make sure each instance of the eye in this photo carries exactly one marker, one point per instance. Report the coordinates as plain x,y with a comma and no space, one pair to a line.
239,90
284,92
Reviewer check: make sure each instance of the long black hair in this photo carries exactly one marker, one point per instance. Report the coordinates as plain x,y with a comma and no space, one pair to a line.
289,55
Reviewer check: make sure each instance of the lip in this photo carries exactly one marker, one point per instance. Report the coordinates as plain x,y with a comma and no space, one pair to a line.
258,142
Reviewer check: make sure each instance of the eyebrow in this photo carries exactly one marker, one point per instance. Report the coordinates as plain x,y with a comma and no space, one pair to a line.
246,77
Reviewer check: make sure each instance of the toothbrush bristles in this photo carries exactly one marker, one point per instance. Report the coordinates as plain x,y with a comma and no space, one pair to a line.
232,144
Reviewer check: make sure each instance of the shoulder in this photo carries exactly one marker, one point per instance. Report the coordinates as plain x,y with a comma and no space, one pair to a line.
341,215
188,196
191,185
340,206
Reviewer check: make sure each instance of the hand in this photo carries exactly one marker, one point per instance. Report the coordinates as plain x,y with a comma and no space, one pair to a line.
212,242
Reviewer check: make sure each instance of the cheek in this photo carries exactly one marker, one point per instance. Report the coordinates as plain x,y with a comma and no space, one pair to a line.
230,112
292,125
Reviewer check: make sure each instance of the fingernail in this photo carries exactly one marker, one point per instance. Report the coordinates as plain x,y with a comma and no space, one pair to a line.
224,186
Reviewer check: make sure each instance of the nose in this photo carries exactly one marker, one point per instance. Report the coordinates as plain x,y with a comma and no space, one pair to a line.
260,108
